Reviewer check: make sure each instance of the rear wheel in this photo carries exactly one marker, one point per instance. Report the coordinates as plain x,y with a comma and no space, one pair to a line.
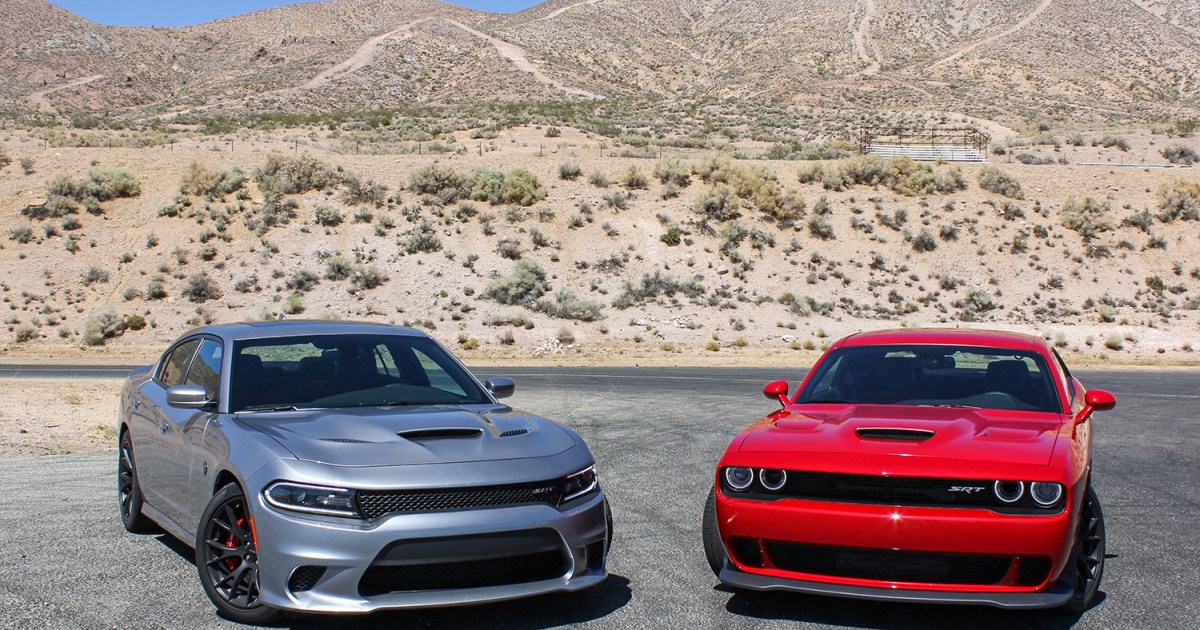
714,549
227,558
1087,559
129,491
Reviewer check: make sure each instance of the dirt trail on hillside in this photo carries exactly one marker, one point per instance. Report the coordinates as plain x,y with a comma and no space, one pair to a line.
38,99
1025,21
861,41
515,54
558,12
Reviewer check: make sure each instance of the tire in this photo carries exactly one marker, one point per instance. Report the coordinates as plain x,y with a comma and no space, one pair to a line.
129,490
227,559
1087,558
714,549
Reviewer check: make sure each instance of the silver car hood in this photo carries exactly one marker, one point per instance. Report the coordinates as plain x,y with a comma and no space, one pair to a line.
374,436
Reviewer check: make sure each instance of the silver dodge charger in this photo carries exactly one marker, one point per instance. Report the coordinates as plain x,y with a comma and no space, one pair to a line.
348,467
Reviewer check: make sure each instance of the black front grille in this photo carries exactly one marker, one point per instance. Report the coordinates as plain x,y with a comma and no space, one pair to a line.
373,504
887,565
517,569
305,578
877,490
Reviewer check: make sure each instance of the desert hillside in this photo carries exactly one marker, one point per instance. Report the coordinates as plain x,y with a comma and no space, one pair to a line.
1100,61
538,241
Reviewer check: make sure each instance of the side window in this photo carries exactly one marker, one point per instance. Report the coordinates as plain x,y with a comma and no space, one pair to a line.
171,373
438,377
1067,375
206,369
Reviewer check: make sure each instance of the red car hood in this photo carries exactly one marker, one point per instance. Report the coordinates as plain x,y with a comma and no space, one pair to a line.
970,435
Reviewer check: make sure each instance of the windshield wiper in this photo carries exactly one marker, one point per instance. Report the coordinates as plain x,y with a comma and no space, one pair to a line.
271,408
955,406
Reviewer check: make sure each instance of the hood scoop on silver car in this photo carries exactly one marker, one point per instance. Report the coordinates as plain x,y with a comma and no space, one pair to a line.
894,434
514,432
347,441
441,433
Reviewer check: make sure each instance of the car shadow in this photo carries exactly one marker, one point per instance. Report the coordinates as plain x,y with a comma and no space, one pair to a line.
177,546
842,612
543,611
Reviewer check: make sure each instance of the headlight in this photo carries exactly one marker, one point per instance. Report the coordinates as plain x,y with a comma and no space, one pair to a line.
1009,491
772,479
579,484
739,477
312,499
1044,493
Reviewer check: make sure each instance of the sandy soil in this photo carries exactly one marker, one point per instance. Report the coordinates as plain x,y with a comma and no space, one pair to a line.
57,416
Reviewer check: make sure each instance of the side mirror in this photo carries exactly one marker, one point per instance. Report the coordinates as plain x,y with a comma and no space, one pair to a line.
500,386
777,390
1100,400
188,397
1095,400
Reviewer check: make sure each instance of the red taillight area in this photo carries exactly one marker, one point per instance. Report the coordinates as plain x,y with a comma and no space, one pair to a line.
890,546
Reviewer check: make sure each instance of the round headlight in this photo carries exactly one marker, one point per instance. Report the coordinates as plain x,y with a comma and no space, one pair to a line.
772,479
739,477
1009,491
1045,493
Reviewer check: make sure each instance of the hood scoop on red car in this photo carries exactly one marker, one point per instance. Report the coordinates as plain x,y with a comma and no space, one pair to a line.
441,434
894,434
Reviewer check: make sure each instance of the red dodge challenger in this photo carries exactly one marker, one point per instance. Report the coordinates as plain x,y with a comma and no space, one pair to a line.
935,466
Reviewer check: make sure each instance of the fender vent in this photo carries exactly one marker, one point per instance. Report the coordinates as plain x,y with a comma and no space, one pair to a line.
347,441
899,435
441,434
514,432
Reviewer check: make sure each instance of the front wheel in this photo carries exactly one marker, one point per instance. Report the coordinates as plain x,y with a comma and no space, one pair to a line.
227,558
714,549
1087,559
129,490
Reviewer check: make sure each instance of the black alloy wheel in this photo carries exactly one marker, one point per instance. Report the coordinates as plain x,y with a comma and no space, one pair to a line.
227,558
1087,559
714,549
129,491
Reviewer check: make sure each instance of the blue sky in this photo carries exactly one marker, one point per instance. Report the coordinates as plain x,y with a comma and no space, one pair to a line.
179,13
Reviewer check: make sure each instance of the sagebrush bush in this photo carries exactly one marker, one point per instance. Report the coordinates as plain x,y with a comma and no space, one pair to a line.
569,171
902,175
367,277
652,286
303,281
485,184
1180,154
566,305
719,203
522,188
821,228
103,326
526,283
924,242
673,171
1179,199
995,180
201,288
200,181
1088,216
292,175
423,239
327,216
633,178
432,179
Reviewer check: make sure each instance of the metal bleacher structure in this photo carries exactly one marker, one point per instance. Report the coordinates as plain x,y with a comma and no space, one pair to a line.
932,144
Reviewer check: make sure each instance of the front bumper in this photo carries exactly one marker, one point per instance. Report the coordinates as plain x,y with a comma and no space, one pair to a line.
860,551
1053,597
347,549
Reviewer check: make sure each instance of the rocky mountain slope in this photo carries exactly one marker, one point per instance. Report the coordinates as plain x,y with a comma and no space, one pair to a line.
998,58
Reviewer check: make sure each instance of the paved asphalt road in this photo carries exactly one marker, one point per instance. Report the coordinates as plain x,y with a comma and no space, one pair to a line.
67,563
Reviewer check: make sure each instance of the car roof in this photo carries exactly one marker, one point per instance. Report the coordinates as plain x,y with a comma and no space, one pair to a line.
299,327
946,336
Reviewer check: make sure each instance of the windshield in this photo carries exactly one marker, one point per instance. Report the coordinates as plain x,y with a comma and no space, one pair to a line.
324,371
934,375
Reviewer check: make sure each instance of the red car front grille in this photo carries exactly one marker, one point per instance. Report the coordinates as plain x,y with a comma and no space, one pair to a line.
887,565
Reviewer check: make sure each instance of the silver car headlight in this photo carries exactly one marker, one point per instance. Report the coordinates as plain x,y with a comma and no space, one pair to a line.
301,497
579,484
